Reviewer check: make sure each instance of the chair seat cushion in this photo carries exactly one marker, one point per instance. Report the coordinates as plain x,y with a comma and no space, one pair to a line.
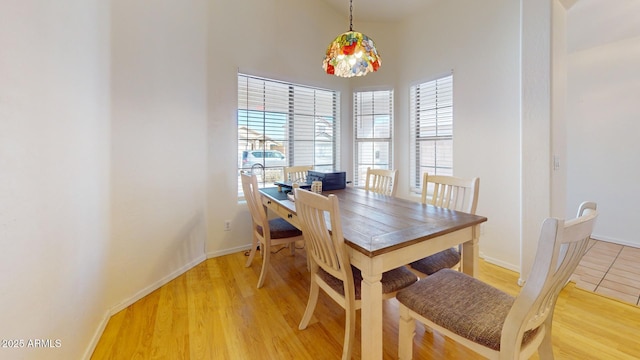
392,280
464,305
442,260
281,229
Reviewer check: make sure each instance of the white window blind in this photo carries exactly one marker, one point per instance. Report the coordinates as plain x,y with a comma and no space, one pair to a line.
373,132
282,124
431,129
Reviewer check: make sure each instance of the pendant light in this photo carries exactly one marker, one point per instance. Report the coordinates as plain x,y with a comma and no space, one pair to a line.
351,53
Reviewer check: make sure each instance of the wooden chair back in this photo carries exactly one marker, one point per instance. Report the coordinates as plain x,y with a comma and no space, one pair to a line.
296,174
451,192
497,326
265,231
325,245
330,266
560,248
254,202
327,252
381,181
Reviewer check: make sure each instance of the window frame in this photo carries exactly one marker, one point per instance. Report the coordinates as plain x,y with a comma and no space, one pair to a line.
362,110
277,115
431,120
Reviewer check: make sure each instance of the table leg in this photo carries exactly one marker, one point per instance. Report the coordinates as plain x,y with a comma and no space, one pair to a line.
471,253
371,316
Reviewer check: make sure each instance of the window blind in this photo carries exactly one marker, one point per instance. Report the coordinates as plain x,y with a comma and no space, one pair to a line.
283,124
431,129
373,132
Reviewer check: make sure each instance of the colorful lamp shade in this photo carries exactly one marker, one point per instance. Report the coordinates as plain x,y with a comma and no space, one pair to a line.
352,53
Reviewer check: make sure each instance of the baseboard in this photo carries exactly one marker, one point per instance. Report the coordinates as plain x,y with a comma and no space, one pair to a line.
96,336
153,287
614,240
500,263
214,254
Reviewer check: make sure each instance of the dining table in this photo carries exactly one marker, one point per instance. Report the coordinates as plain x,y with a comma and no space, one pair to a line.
386,232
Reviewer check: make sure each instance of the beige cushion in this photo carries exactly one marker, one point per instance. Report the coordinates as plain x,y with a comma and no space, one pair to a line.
281,229
442,260
462,304
392,280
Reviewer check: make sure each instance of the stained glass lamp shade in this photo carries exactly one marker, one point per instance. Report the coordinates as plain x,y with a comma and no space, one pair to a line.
351,54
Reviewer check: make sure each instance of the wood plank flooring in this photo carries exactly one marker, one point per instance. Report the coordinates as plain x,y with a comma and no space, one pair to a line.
214,311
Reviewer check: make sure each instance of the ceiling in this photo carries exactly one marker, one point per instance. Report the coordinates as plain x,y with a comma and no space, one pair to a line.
590,22
379,10
593,23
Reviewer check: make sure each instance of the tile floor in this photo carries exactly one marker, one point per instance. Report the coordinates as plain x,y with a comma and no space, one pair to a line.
610,269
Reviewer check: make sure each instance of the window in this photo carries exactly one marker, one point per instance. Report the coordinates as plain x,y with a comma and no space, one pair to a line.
431,128
282,124
373,132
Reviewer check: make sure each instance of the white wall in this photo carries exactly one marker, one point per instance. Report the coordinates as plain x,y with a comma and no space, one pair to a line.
54,174
558,114
536,124
158,149
117,119
479,41
281,39
603,114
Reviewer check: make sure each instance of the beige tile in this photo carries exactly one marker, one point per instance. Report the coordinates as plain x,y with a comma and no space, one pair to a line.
611,270
624,280
583,271
594,280
631,250
607,245
595,264
585,285
623,273
617,295
626,289
631,269
631,264
631,254
603,253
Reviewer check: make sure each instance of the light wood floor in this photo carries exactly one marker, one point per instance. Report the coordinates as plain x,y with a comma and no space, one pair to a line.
214,311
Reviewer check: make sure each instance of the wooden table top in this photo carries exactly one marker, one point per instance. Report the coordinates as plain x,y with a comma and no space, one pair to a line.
375,224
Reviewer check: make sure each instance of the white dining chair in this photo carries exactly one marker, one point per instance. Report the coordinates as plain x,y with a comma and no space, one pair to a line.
331,269
296,174
265,233
381,181
488,321
452,193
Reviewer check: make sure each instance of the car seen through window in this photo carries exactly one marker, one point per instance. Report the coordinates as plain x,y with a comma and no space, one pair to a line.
266,158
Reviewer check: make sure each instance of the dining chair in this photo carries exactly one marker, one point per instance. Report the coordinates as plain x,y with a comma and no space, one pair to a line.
381,181
265,233
489,321
296,173
331,269
452,193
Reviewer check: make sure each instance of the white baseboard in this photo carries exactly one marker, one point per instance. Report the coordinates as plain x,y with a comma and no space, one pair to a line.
500,263
139,295
614,240
96,336
153,287
214,254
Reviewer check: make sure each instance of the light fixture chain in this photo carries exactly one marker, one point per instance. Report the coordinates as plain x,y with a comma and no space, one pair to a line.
350,15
